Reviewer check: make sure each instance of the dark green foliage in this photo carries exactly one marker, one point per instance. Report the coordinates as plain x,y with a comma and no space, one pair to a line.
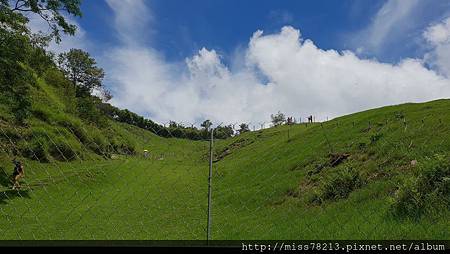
75,127
426,192
98,144
243,128
206,124
278,119
81,69
61,150
36,149
87,110
174,130
22,105
22,54
65,89
223,132
375,137
42,114
15,78
338,185
49,10
399,115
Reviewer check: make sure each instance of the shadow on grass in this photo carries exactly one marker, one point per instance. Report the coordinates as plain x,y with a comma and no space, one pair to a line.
5,179
9,194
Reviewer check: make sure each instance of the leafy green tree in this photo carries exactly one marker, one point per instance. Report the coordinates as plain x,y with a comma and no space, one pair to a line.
87,108
278,118
243,128
22,54
51,11
223,132
206,125
15,77
81,69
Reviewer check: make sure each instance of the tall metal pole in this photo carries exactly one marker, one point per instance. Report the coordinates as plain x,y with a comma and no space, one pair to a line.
208,229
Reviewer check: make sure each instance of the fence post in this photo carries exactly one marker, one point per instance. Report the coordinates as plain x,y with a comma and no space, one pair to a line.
208,227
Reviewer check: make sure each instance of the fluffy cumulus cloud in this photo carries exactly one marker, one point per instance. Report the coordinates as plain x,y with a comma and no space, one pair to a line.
278,72
438,36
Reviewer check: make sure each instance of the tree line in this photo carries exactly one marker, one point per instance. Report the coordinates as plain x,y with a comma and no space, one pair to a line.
173,129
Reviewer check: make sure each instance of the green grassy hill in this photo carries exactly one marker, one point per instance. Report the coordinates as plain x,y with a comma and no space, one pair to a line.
378,174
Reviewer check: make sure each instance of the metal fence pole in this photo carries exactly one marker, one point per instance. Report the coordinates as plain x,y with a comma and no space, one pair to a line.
208,229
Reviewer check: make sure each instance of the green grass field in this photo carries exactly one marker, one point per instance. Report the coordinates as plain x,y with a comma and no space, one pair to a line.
265,185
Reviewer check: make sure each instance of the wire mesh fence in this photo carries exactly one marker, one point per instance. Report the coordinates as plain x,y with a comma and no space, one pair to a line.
374,177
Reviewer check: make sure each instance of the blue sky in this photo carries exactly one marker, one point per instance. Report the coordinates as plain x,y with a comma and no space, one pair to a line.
181,28
234,60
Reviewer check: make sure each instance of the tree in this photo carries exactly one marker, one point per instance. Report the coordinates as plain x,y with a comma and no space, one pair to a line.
15,76
173,124
243,128
206,125
278,118
81,69
51,11
105,95
223,132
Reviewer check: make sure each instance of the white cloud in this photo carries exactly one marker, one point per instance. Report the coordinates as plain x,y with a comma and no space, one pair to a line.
438,36
393,20
308,79
132,17
280,71
439,33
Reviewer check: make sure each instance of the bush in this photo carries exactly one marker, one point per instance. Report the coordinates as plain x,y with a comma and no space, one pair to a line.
101,145
426,192
42,114
74,127
62,151
127,147
375,137
88,111
65,89
338,185
36,149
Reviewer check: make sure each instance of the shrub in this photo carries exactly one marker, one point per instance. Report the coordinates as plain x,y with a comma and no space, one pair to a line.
341,184
338,185
375,137
9,134
42,114
55,77
88,111
98,143
74,127
407,201
36,149
426,192
62,151
127,147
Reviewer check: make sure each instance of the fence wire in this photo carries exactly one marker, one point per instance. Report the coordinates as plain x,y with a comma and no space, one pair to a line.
338,179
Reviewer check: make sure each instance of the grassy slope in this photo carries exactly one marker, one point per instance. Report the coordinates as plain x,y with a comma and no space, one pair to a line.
252,184
90,192
260,190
